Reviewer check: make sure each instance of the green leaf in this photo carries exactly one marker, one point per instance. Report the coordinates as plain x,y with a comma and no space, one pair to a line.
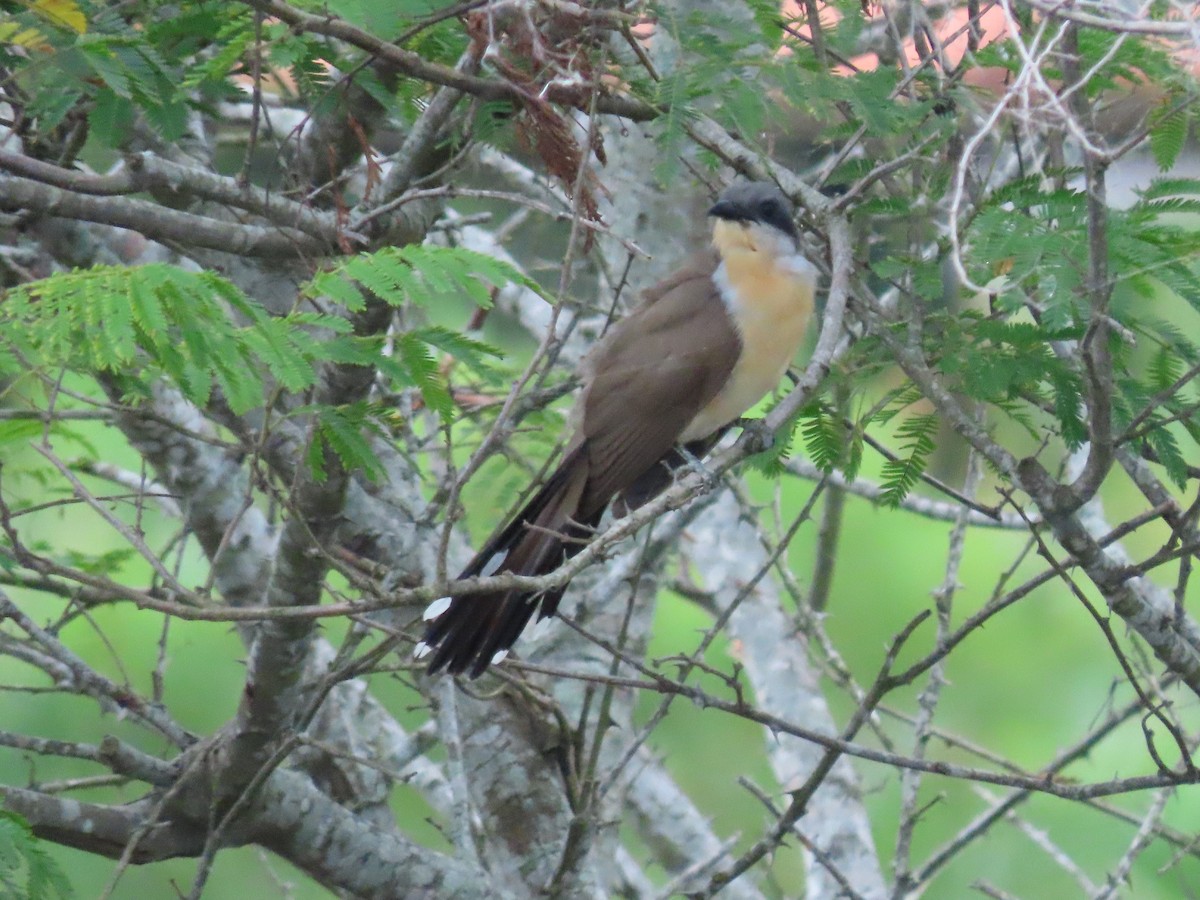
1167,449
159,319
399,275
239,382
473,353
111,118
233,38
114,75
823,437
422,369
19,431
335,286
50,107
27,871
1067,402
341,430
671,93
1170,187
1164,369
900,475
283,349
315,457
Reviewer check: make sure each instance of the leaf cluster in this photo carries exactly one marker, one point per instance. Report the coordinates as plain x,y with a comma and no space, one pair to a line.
829,440
834,441
197,330
141,322
158,62
27,871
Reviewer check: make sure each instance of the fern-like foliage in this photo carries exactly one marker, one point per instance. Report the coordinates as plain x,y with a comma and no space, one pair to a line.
1001,362
822,437
1155,433
27,871
416,274
1027,239
201,332
900,475
342,430
1169,128
830,441
194,327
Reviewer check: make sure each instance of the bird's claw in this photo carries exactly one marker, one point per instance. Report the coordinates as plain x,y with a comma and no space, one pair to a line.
758,434
692,463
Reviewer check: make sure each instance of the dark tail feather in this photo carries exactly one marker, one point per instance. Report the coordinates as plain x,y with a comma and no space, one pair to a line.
474,628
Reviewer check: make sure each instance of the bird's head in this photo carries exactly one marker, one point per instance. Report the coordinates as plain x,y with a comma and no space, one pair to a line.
753,217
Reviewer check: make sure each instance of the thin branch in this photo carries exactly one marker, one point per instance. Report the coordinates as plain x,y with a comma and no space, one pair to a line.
414,65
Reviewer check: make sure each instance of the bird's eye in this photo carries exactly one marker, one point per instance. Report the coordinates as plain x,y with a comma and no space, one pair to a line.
771,212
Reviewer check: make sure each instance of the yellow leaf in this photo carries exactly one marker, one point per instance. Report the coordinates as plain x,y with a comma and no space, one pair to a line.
62,12
20,36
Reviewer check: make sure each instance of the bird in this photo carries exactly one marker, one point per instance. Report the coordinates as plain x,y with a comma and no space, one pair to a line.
660,389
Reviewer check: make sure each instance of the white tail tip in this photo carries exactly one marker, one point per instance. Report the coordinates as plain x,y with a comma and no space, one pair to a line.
498,657
493,565
422,650
435,609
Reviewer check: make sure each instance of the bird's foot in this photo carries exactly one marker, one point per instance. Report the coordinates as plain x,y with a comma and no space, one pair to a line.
759,436
693,464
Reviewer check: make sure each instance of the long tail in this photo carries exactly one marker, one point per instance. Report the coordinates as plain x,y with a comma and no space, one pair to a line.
552,527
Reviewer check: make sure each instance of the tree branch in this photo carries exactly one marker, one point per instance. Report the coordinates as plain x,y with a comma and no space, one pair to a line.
412,64
157,222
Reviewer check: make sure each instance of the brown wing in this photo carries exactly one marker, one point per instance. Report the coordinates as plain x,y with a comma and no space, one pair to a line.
657,369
